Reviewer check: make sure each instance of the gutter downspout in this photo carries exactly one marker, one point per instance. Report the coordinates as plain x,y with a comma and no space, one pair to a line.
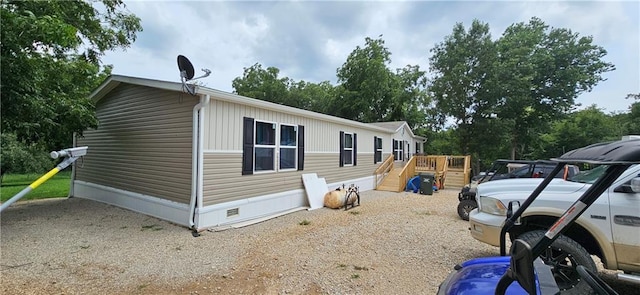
196,158
73,171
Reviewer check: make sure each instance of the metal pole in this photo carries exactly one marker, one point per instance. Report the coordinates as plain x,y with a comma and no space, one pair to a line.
41,180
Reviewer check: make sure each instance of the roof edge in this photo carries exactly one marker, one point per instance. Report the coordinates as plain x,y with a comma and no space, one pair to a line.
113,81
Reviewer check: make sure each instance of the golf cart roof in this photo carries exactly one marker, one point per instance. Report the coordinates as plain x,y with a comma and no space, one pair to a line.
623,152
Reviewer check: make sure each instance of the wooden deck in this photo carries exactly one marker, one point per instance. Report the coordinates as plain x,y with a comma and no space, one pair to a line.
449,171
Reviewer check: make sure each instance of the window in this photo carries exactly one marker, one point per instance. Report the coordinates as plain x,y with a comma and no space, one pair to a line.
288,146
377,149
398,150
269,146
348,149
265,148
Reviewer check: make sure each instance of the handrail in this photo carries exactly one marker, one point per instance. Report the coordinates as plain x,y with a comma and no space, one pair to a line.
439,165
384,168
407,172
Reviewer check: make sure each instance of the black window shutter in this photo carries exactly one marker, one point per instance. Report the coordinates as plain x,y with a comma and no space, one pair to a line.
300,147
375,149
247,146
341,148
355,149
393,150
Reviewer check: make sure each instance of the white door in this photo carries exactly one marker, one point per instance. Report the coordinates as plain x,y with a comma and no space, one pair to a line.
625,220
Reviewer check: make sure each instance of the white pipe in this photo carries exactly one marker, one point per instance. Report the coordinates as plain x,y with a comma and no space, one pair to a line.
196,158
201,154
73,171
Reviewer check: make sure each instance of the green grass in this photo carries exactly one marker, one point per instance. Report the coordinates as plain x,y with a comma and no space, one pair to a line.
55,187
305,222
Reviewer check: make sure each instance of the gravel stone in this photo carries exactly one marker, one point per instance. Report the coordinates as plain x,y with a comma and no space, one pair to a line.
393,243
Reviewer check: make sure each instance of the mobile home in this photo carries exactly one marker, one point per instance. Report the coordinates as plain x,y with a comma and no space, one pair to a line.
216,159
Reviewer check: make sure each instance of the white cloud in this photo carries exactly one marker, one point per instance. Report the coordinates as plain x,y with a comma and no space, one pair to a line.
310,40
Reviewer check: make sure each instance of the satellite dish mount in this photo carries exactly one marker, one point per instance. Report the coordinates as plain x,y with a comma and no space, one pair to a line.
187,72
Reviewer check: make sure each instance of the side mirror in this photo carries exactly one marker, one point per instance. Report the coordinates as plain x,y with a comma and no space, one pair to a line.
512,208
635,185
631,187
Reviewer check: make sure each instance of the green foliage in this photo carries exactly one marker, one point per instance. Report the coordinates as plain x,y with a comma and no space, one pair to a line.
19,157
506,98
410,98
263,84
541,71
579,129
366,84
311,96
369,90
51,62
632,124
55,187
463,84
304,222
508,92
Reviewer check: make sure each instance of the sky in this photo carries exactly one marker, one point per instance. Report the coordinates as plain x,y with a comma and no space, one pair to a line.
310,40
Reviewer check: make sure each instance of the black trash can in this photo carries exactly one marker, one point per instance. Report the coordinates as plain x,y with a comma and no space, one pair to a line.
426,183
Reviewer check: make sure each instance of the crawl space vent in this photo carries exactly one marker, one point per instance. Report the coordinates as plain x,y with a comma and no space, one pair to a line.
233,212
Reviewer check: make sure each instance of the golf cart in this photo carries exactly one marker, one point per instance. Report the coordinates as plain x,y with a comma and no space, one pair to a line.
523,272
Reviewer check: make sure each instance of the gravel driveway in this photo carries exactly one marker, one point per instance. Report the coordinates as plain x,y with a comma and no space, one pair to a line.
394,243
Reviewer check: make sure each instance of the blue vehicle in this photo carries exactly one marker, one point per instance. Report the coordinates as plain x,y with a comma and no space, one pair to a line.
523,272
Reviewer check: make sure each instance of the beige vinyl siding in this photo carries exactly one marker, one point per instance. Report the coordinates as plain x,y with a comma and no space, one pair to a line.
223,122
223,181
142,144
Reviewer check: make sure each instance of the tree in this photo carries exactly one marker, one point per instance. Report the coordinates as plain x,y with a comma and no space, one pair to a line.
263,84
411,99
312,96
464,81
51,54
20,158
578,129
633,118
541,71
367,85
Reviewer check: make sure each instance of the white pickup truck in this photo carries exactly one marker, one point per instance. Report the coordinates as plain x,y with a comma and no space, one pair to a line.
609,229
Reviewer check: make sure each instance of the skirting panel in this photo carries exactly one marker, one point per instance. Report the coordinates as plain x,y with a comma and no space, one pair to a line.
164,209
226,215
257,209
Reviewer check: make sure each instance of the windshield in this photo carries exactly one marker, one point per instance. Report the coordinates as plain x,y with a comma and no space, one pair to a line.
589,176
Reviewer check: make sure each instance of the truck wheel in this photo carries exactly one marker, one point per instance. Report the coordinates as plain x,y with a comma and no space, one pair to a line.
564,255
464,207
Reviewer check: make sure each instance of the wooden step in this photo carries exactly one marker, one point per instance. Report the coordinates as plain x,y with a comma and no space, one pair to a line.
388,188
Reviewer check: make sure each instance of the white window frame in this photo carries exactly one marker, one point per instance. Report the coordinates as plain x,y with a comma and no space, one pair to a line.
274,147
294,148
349,150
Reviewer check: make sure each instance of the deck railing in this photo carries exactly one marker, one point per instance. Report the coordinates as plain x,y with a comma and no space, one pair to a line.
440,166
406,173
383,170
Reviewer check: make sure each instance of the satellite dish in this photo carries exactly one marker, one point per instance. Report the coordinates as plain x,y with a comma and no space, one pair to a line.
186,68
187,72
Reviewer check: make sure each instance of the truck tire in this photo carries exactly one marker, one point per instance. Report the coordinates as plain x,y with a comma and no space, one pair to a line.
564,255
464,207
